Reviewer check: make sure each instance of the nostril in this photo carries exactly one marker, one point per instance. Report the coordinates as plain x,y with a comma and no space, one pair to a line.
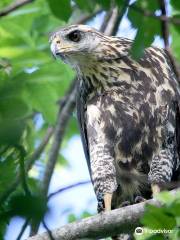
58,42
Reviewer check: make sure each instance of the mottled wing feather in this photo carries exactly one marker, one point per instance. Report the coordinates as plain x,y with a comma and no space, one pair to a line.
80,102
178,133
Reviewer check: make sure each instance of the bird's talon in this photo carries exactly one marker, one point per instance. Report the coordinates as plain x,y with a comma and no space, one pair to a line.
139,199
125,204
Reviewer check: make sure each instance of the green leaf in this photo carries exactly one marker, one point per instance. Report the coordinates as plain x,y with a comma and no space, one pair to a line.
3,226
155,237
175,4
11,131
157,218
62,161
12,108
85,214
43,90
175,42
61,9
37,206
88,5
138,46
104,3
165,197
8,171
174,208
176,26
120,3
40,23
147,28
72,218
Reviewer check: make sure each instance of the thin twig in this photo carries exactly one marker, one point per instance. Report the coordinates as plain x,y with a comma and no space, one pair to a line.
17,4
106,20
119,17
67,188
48,230
112,21
23,229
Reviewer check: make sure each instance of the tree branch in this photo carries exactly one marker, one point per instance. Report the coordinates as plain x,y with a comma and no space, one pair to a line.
112,21
17,4
106,20
122,220
164,24
118,18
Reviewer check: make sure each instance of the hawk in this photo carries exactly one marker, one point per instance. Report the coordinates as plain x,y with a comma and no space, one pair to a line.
128,111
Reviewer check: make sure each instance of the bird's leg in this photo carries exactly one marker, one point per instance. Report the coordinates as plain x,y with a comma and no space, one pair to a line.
160,170
155,189
103,171
107,201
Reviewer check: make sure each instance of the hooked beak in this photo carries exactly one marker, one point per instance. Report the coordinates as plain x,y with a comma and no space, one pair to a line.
56,51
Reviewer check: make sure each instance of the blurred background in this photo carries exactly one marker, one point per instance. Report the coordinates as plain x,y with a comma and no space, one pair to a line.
40,145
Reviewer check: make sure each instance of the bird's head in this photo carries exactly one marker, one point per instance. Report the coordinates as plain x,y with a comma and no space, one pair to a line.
76,44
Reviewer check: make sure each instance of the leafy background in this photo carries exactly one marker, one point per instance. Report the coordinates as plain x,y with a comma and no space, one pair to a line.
32,86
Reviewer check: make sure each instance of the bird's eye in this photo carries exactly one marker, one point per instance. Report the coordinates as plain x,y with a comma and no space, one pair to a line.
75,36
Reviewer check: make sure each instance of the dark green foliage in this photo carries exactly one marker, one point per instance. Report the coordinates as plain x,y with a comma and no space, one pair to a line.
86,5
72,217
61,10
147,28
175,4
165,218
27,206
158,218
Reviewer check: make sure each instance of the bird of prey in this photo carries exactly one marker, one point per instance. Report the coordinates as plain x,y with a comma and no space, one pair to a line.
128,112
